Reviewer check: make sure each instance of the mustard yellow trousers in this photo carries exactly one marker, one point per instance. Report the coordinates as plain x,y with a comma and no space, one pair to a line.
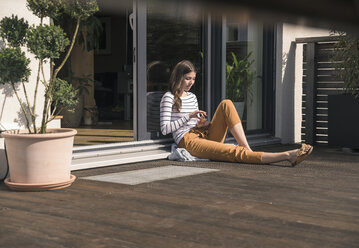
207,142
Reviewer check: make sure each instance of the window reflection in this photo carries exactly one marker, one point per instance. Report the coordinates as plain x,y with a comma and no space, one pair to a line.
170,39
244,69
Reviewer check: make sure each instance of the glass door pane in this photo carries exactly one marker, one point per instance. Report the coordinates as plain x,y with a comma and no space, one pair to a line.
104,76
244,70
171,37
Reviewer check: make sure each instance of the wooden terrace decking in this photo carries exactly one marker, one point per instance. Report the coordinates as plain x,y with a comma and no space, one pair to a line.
315,204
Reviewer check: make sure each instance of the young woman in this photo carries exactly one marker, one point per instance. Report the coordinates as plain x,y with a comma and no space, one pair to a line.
180,116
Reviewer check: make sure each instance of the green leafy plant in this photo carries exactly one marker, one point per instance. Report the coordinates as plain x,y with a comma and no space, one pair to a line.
82,83
90,38
46,42
239,78
14,30
63,88
346,53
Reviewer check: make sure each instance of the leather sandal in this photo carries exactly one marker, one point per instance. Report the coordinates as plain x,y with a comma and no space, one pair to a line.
302,153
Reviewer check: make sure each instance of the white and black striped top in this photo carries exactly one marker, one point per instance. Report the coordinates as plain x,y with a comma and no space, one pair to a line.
177,123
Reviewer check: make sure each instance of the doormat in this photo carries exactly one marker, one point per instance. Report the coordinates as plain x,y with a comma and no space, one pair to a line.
149,175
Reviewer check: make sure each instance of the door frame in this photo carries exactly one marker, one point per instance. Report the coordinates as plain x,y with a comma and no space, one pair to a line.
140,70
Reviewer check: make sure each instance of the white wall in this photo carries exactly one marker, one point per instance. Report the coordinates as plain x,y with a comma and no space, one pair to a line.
10,112
289,73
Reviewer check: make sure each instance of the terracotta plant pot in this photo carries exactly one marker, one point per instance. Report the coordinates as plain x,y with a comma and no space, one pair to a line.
39,161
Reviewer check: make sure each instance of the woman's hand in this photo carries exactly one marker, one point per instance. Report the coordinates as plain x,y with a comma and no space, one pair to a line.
198,114
201,116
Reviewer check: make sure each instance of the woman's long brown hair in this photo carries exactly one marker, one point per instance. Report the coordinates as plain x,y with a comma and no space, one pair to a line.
176,79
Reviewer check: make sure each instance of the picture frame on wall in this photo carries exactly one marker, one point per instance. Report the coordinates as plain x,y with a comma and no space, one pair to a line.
105,38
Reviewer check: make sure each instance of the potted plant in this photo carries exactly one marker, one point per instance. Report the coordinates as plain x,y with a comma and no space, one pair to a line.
239,79
39,158
343,109
72,115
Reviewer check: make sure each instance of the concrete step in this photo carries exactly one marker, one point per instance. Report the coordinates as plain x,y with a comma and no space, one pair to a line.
126,158
139,151
122,145
119,151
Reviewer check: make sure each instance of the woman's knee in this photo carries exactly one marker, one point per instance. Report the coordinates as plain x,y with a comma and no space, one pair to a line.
226,102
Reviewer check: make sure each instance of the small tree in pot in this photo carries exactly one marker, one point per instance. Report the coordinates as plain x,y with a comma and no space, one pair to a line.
343,109
46,42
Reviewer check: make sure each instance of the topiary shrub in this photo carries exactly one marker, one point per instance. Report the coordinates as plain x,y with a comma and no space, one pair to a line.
46,42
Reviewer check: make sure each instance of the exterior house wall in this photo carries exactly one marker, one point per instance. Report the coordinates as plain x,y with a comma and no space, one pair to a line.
289,74
10,113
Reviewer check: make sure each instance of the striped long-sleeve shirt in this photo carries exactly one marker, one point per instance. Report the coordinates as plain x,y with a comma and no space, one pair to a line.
177,123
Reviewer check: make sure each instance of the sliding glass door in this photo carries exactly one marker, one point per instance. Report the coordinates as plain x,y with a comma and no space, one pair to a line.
168,36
